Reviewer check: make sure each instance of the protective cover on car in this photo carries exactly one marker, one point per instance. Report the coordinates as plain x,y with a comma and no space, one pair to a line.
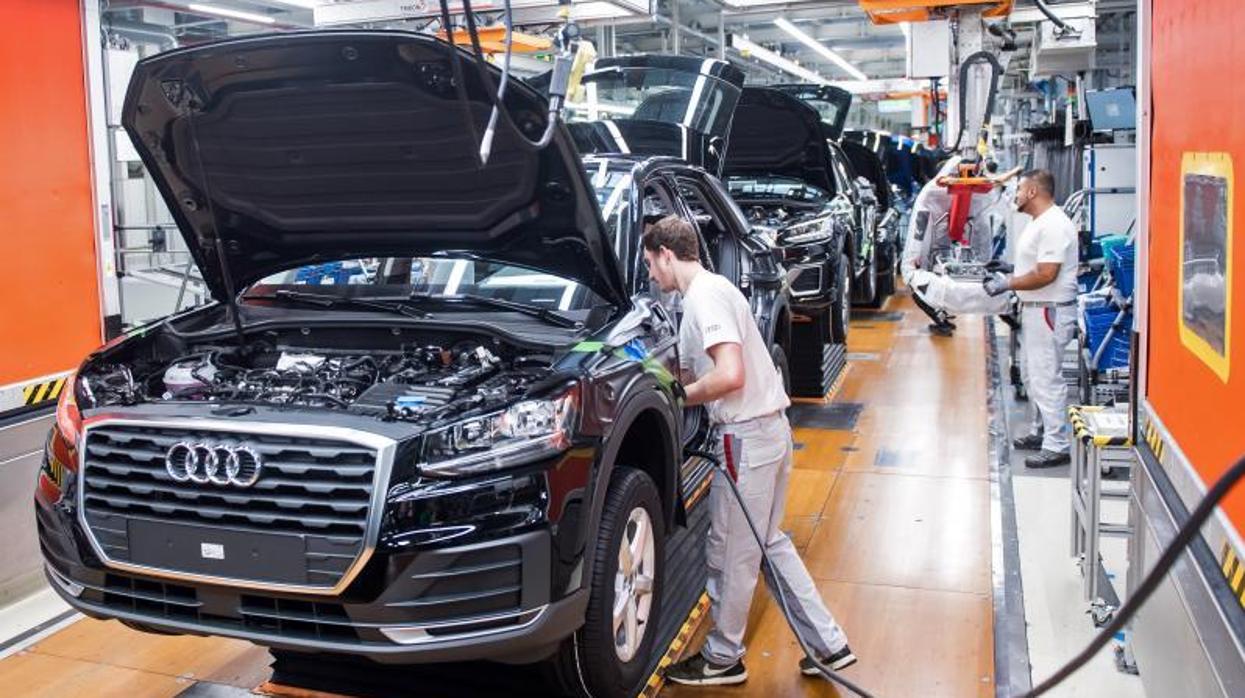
283,150
831,103
678,106
776,134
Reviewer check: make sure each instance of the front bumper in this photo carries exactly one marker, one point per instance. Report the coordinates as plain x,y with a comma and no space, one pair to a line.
487,600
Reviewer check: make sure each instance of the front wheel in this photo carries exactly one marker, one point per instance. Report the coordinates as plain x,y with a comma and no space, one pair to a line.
841,314
887,254
609,654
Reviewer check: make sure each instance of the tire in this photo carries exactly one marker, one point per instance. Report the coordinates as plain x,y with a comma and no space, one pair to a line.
591,662
886,274
867,295
784,367
840,316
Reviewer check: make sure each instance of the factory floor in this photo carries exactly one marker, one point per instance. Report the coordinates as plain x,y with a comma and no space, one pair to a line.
890,504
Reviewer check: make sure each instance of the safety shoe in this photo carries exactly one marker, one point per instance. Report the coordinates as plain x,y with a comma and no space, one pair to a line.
698,671
941,329
1029,442
837,662
1048,459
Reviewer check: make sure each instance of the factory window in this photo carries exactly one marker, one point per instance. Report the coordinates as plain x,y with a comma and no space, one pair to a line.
1205,255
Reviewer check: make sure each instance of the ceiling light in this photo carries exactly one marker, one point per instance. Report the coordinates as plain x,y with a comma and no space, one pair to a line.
820,48
231,14
747,47
304,4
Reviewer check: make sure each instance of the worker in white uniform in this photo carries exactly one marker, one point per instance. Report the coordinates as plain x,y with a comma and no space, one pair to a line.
1044,280
726,367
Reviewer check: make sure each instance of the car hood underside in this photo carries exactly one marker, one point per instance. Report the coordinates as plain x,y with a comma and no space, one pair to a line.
282,150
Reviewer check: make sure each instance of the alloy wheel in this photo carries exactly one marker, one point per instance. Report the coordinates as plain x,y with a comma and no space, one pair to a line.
634,584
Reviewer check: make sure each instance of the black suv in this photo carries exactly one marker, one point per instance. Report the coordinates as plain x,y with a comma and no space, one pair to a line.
780,171
658,127
439,422
860,174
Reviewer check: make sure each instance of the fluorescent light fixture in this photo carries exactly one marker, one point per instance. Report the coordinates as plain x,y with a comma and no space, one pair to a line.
749,48
819,47
866,87
302,4
231,14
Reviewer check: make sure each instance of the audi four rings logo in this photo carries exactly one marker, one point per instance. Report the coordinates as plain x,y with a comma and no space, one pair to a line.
219,464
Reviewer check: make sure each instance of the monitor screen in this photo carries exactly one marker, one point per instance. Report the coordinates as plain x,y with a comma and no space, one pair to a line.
1112,109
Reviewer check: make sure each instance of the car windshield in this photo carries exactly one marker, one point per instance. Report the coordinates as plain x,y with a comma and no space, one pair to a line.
445,277
776,188
695,100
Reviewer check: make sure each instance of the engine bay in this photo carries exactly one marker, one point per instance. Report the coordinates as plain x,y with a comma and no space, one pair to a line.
412,382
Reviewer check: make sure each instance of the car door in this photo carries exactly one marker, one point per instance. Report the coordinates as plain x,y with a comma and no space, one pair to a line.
658,197
848,205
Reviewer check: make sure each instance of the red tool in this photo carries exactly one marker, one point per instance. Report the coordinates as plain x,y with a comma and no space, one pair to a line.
962,188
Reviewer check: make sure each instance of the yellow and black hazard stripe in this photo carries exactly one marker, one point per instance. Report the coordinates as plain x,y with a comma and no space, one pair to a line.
1233,571
658,678
39,393
1082,431
699,492
1154,438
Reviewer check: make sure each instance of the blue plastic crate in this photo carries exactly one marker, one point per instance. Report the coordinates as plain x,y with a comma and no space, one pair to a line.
1120,262
1098,322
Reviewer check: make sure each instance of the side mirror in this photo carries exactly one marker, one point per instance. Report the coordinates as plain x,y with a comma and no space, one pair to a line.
637,321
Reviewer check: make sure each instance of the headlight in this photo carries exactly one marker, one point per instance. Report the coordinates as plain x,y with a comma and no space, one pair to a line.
523,433
813,231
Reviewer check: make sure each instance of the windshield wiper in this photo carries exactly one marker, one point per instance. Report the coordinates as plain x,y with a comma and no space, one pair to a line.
536,311
325,300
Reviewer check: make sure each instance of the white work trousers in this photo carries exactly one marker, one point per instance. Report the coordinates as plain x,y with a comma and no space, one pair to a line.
760,455
1045,334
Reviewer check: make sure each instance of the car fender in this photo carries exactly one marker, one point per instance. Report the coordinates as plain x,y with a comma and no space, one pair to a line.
643,393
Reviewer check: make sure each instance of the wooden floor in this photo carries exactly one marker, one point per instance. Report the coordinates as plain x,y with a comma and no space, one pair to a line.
892,518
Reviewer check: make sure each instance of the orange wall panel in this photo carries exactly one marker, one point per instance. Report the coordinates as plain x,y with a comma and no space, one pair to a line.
1199,106
49,294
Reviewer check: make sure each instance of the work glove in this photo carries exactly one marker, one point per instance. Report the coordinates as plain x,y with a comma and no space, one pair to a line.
996,284
998,265
680,393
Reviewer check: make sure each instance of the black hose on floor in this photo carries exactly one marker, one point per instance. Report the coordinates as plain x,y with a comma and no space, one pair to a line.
1173,551
779,594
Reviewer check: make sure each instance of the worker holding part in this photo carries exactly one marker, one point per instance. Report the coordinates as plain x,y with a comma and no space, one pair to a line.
727,368
1045,280
930,227
931,204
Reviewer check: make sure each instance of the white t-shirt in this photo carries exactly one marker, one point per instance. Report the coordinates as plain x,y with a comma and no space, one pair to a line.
1049,238
715,312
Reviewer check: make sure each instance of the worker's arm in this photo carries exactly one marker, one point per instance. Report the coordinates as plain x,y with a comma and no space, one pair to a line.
726,376
1003,178
1044,275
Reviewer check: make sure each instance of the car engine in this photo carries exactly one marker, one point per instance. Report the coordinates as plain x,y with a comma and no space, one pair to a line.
410,383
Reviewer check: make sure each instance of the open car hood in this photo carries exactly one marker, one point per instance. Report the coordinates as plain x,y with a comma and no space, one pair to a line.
680,106
831,103
776,134
283,150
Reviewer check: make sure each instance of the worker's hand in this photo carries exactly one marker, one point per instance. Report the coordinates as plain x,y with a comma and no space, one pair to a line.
996,284
998,265
680,393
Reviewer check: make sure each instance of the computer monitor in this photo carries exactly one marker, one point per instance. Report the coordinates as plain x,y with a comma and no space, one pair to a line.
1112,109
